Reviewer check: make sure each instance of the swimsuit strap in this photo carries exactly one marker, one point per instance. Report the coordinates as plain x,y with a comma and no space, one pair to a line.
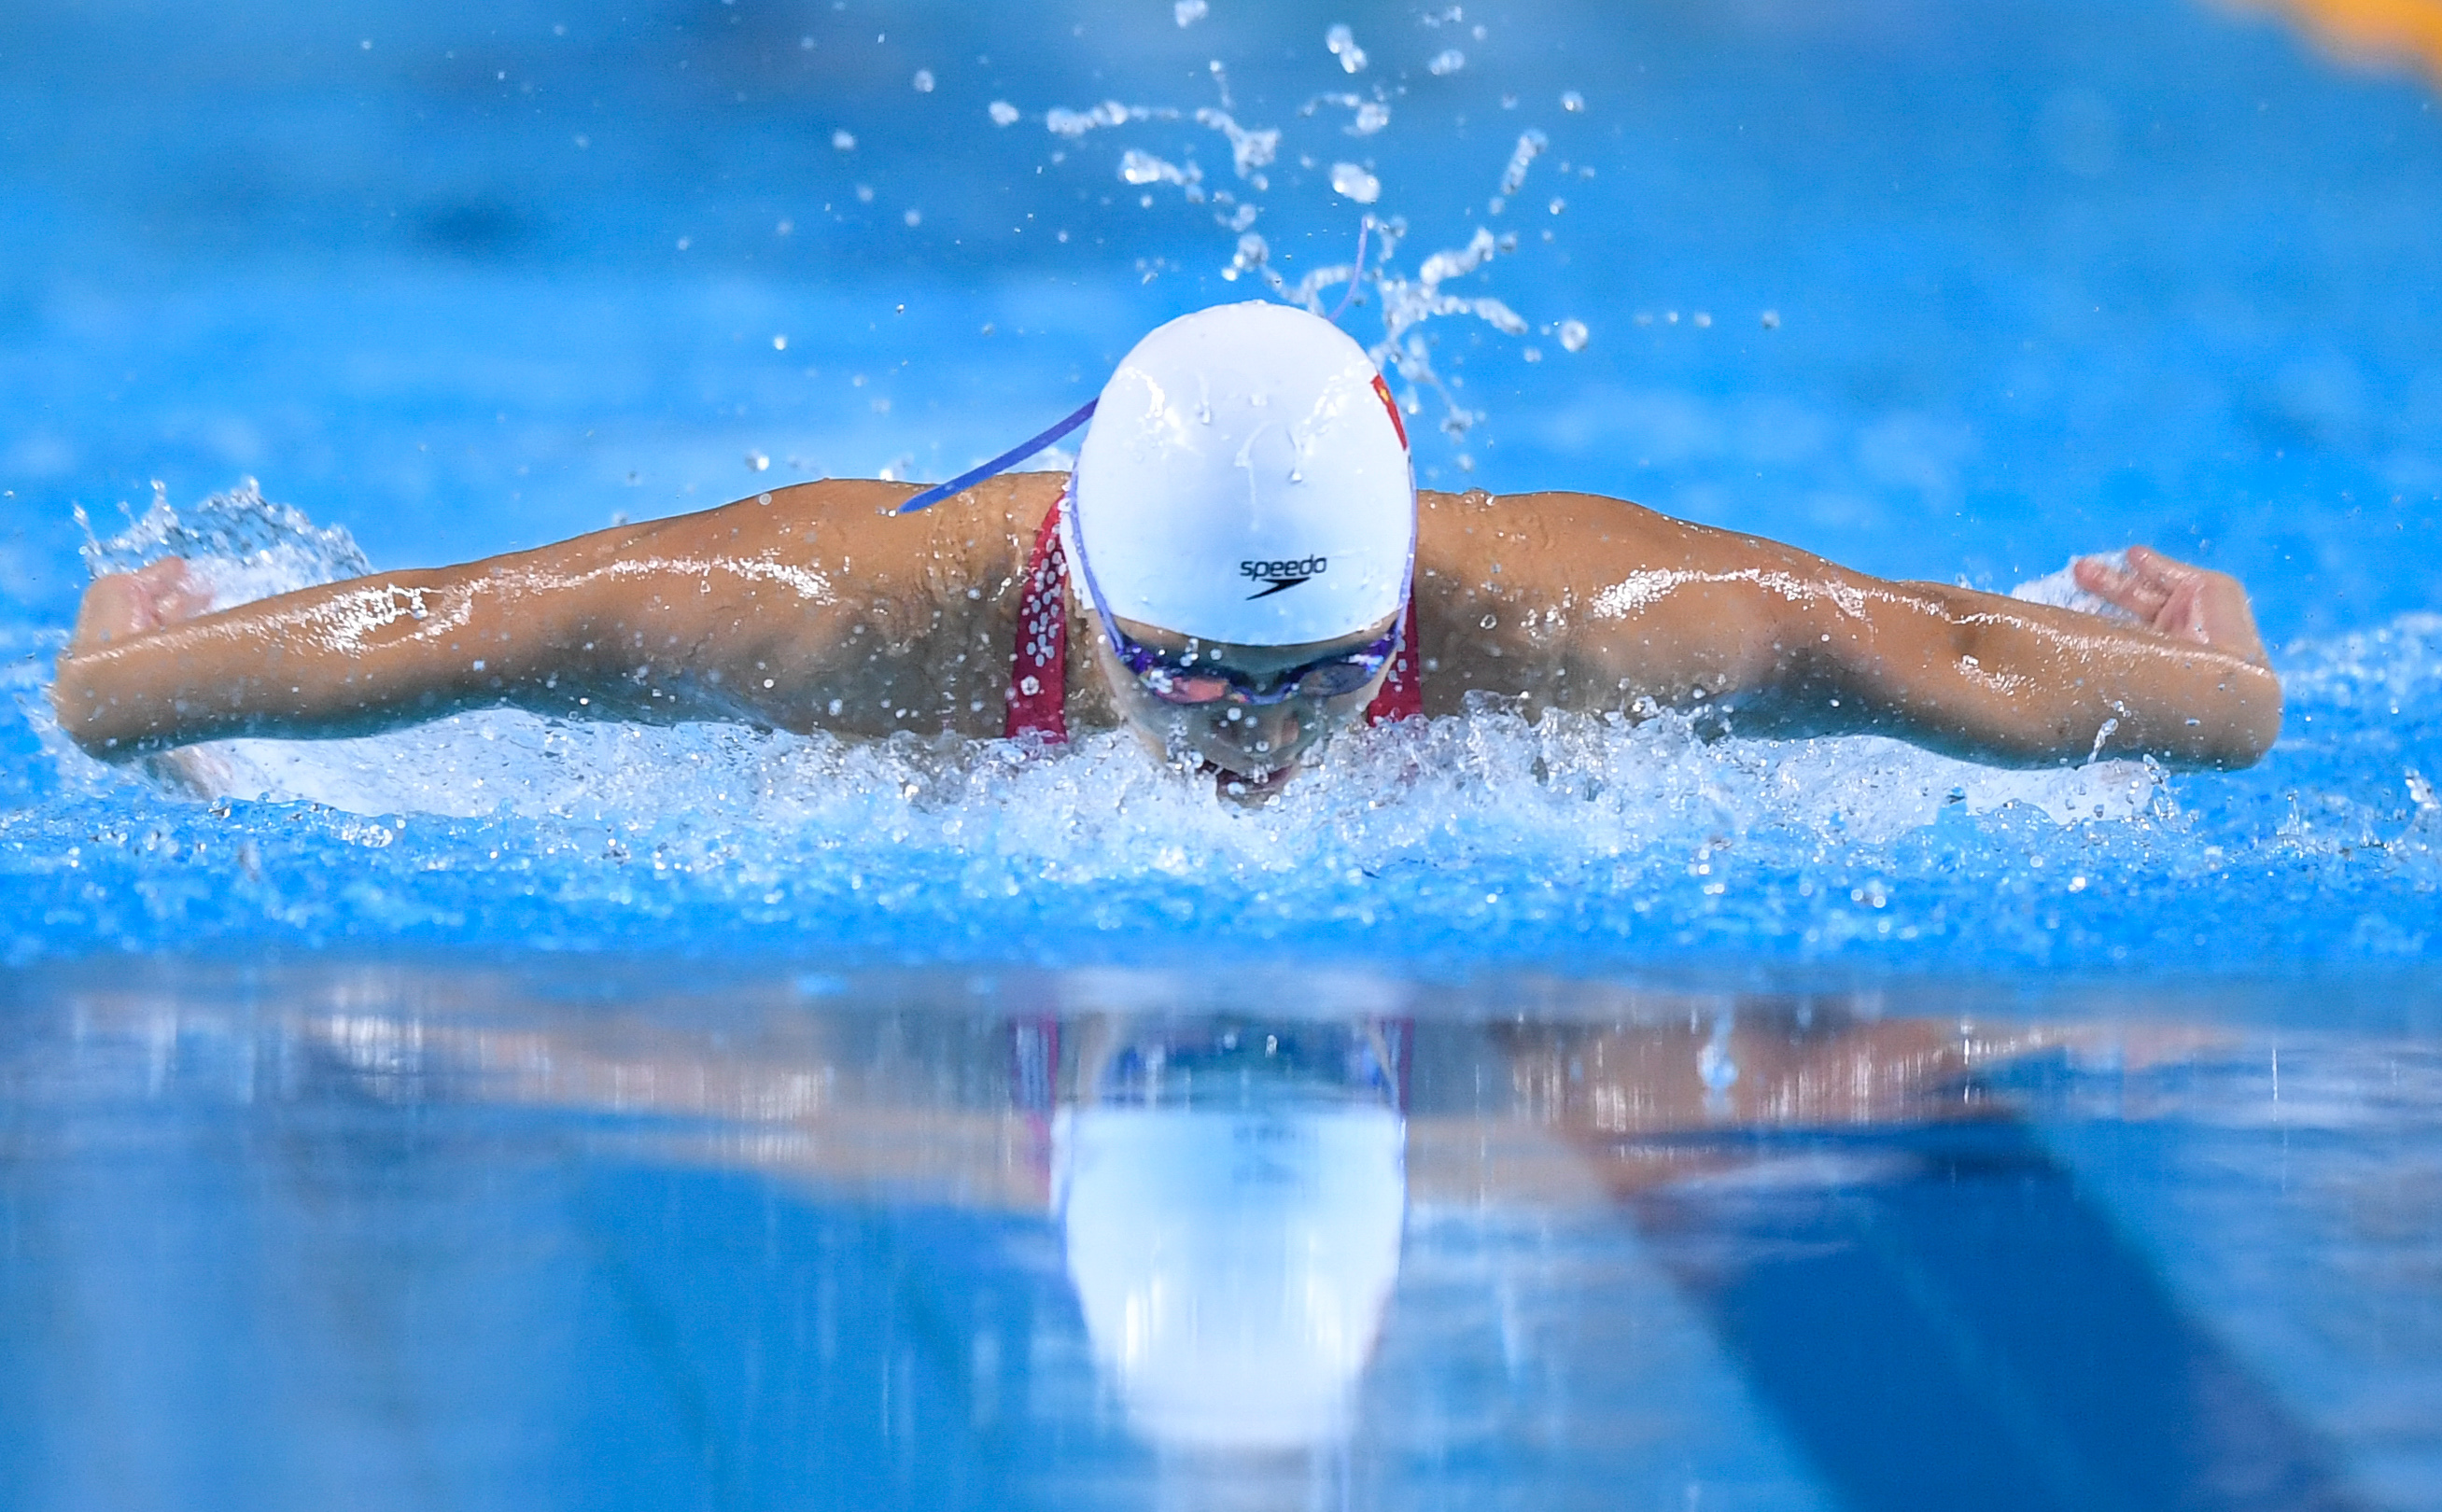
1038,669
1038,664
1402,696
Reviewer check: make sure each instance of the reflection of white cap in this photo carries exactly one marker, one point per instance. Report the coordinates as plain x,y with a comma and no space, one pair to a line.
1232,1266
1245,480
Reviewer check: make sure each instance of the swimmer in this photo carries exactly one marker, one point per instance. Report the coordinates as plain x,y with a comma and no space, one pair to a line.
1239,566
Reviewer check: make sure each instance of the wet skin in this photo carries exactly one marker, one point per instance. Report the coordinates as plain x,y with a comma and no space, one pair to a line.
806,607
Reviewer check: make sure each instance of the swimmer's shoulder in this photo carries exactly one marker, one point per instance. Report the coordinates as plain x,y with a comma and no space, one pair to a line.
846,525
1459,529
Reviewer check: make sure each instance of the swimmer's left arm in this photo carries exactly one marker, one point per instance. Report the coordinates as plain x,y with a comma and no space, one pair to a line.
1585,602
1997,678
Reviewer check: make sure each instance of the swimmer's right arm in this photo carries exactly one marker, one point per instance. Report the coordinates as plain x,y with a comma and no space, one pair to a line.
744,612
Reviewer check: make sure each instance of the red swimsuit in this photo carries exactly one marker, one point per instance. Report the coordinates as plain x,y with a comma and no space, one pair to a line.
1038,673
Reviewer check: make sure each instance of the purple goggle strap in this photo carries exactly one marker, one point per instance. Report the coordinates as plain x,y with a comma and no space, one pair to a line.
998,464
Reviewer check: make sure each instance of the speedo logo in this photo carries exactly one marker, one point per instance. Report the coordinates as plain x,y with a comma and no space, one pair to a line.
1281,576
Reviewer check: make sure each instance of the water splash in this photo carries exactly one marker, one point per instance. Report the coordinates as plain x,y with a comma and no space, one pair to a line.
1521,157
1145,168
240,546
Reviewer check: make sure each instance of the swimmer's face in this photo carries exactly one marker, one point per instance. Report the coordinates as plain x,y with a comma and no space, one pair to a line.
1252,748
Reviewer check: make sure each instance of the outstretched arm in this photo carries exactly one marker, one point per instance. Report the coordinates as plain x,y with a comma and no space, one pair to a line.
796,608
1584,602
1981,674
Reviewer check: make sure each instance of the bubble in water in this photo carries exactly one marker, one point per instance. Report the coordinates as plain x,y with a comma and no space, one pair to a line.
1771,320
844,141
1354,182
1343,43
759,461
1572,335
923,80
1003,113
914,217
1371,117
1188,12
1570,100
779,343
1559,205
864,194
1446,62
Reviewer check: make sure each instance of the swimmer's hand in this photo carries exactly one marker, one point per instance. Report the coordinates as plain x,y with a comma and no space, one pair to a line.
2175,598
125,605
117,609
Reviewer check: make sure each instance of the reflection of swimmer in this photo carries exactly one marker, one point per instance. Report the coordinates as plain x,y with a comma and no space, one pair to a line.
1242,568
1232,1212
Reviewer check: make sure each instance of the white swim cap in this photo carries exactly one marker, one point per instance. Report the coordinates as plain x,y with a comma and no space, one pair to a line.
1245,480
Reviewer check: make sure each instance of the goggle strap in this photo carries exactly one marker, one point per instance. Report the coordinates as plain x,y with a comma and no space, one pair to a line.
998,464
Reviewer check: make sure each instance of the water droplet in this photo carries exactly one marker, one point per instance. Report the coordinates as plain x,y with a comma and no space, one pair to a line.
923,80
1572,335
843,139
757,461
1572,100
1771,320
1343,43
1559,205
1445,63
1003,113
1354,182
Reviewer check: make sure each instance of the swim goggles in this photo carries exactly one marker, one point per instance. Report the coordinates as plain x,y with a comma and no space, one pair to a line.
1175,677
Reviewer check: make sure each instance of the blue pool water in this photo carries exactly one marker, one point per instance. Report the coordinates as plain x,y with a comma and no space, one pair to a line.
512,1112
